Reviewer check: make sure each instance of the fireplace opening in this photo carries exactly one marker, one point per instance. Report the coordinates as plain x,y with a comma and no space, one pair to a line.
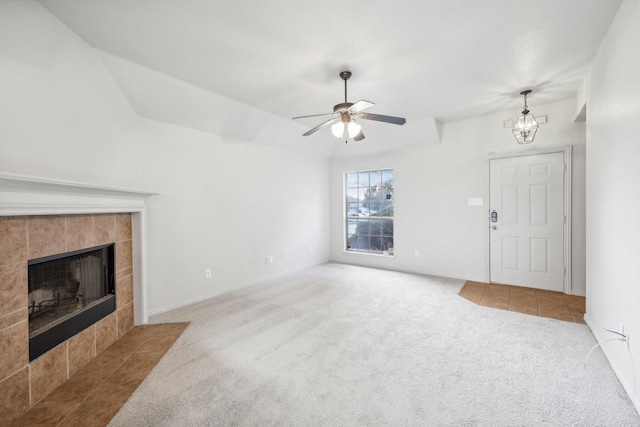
68,293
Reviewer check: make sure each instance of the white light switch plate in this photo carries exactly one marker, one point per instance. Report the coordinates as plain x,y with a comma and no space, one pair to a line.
475,202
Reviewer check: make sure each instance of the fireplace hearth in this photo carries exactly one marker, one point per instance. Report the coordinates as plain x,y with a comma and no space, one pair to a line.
68,293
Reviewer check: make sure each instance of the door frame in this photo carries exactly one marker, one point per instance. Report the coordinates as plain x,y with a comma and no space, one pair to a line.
567,152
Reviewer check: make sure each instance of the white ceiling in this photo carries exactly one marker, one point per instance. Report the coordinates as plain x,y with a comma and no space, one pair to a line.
419,59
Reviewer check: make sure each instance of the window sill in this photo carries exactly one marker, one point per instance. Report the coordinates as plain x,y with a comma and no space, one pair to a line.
368,254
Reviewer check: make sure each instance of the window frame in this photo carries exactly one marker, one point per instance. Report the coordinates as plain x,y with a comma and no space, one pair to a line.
386,240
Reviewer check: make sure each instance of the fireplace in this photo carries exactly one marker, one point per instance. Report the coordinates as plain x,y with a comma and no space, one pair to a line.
67,293
40,217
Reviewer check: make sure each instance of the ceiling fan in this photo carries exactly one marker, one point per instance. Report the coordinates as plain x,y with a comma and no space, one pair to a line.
342,121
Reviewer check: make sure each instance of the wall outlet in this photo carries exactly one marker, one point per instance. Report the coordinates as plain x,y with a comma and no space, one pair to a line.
624,333
207,273
417,253
310,249
270,259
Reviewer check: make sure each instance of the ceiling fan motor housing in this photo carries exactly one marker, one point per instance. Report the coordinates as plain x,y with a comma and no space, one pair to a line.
339,108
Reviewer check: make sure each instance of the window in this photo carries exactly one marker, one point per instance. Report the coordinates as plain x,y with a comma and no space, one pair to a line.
369,211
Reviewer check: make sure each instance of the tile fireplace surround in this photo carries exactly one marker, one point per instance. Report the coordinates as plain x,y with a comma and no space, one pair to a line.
43,217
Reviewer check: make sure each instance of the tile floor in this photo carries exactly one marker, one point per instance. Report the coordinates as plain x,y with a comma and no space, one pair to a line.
94,394
536,302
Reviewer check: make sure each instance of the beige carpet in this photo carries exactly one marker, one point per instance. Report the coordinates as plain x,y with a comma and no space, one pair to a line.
338,345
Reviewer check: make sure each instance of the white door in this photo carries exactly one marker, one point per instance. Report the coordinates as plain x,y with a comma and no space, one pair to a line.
527,233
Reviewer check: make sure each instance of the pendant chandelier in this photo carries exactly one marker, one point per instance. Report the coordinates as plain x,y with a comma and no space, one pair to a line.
526,126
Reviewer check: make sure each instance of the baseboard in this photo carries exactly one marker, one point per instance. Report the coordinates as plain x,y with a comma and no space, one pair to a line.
226,290
199,298
614,366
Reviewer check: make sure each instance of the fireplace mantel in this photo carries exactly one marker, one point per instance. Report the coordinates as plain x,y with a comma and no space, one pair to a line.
27,195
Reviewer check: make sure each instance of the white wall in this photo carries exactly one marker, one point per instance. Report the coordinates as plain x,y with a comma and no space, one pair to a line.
221,205
62,114
227,207
613,194
433,183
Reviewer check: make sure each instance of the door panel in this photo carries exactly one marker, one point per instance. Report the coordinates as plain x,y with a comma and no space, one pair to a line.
539,204
539,254
509,253
510,205
527,241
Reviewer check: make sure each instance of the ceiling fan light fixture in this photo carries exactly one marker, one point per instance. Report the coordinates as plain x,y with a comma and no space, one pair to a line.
353,128
345,128
337,129
525,127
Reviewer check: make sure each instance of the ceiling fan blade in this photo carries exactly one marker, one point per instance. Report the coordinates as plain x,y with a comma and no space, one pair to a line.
381,118
360,106
313,115
359,136
321,125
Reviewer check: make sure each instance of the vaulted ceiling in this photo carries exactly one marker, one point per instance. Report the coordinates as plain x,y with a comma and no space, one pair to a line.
420,59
